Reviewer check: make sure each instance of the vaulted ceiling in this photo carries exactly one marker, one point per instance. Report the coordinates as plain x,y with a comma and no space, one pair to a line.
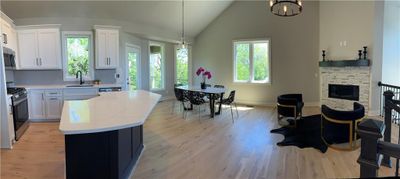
165,15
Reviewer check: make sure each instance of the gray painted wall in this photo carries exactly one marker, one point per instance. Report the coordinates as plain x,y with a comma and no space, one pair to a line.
295,44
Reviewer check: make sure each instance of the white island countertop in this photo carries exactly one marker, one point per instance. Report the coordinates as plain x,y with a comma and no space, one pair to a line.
107,112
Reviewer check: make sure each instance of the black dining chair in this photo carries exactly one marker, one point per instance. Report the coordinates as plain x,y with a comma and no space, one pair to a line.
181,97
218,96
196,99
230,101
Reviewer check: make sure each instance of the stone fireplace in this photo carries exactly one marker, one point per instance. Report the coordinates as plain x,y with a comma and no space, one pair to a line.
341,86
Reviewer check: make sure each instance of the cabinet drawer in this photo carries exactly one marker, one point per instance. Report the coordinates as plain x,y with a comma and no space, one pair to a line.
81,92
53,93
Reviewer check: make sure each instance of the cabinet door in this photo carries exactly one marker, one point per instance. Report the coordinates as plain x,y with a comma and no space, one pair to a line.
49,48
36,104
27,49
113,48
101,50
54,107
6,33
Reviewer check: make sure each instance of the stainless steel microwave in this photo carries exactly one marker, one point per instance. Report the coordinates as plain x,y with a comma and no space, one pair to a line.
9,58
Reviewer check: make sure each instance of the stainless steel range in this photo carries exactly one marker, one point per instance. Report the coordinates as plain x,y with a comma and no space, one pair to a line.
20,111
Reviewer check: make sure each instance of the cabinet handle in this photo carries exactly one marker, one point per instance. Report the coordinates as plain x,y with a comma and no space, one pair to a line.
42,96
40,61
53,98
37,63
108,61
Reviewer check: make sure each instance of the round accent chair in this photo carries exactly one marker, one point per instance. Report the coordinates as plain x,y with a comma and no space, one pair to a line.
290,106
339,127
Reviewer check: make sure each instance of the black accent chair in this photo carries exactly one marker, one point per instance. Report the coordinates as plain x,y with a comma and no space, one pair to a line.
196,99
339,127
230,101
182,97
290,105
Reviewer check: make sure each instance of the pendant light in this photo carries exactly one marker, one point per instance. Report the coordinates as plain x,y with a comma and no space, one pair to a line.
286,8
183,44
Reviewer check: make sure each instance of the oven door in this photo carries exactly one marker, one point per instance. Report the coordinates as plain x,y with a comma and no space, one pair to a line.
21,116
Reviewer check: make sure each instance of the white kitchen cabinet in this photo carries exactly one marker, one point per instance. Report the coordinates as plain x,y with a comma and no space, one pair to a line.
39,47
8,32
45,105
54,106
107,47
36,104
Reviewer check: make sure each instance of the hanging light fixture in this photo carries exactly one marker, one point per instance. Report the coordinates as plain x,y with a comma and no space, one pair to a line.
286,8
183,44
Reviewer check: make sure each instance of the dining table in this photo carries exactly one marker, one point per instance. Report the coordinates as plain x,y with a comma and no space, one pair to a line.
211,92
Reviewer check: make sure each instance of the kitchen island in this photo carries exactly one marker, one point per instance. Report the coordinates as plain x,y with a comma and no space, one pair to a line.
104,135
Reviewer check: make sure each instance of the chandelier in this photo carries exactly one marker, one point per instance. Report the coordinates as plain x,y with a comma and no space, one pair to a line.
286,8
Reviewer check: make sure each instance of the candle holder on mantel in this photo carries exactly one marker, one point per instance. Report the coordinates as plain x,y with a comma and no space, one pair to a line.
359,54
323,55
365,52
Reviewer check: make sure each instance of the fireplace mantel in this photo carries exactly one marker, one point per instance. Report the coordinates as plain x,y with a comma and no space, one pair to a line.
345,63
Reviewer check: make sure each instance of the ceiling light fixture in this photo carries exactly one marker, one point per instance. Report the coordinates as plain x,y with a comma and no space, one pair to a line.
286,8
183,44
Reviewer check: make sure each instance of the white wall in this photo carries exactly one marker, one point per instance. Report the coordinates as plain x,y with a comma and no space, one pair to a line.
294,50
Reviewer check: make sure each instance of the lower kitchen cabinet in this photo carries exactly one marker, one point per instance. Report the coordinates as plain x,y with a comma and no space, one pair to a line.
54,106
36,105
45,105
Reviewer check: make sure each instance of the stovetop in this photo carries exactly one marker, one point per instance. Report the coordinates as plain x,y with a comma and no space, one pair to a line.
16,92
13,90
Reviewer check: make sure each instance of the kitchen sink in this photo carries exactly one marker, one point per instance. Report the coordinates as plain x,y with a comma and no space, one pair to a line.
83,85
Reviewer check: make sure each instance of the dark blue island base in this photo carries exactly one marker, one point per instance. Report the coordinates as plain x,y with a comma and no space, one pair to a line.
108,155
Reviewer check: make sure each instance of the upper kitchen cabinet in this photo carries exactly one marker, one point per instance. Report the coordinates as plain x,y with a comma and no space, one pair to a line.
39,47
107,47
8,33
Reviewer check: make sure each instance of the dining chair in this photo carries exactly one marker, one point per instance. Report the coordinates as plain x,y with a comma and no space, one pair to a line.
218,96
231,102
196,99
181,97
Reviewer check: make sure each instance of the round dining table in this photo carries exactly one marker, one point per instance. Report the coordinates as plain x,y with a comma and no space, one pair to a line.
211,92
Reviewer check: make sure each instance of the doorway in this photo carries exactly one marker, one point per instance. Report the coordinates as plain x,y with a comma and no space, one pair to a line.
133,61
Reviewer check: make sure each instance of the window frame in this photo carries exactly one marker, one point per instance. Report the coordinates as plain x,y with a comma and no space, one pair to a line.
65,35
163,60
251,43
176,47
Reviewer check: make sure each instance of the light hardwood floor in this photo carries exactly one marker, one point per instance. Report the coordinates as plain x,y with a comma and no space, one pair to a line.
193,148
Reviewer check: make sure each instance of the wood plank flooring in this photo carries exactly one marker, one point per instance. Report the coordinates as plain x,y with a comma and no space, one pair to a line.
194,148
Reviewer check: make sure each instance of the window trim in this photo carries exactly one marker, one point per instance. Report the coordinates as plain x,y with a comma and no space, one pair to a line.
176,47
252,42
65,35
162,45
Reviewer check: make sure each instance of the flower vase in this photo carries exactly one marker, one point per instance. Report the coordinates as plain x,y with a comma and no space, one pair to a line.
203,85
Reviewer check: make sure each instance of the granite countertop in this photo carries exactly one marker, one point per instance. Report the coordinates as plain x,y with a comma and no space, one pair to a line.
107,112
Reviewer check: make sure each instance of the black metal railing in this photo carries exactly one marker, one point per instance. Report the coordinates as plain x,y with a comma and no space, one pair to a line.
396,92
374,151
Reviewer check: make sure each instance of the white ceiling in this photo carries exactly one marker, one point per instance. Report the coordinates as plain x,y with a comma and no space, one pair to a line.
157,14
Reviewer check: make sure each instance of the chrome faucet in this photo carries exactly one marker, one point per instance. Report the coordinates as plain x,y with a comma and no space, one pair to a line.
79,74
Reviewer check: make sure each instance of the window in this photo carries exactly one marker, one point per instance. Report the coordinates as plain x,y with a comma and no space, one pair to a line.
78,55
182,65
252,61
156,66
